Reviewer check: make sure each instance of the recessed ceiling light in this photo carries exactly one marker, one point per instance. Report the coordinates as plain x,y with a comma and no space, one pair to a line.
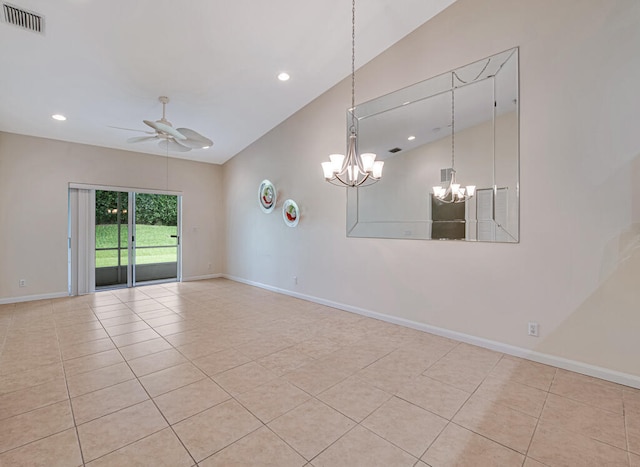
206,147
284,76
59,117
411,138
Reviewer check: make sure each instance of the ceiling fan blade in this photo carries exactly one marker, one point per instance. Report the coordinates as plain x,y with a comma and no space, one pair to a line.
170,145
166,129
183,143
140,139
130,129
194,139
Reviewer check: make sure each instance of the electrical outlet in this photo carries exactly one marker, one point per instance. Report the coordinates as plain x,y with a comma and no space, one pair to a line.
22,283
532,329
295,280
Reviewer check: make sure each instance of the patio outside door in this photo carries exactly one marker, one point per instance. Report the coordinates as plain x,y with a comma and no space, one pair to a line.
136,238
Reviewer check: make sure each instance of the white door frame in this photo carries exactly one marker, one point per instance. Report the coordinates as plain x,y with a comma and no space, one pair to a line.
81,234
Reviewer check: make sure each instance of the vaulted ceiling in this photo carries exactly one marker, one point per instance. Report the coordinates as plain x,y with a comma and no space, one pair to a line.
103,64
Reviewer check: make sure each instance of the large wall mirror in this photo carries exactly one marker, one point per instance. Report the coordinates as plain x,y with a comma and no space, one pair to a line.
465,120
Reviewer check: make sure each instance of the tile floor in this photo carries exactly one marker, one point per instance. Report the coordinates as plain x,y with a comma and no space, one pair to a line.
216,373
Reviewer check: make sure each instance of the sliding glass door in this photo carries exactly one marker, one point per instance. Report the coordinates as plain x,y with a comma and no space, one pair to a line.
156,237
136,238
112,238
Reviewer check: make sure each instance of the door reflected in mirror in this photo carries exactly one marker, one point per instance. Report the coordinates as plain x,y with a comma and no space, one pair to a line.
462,124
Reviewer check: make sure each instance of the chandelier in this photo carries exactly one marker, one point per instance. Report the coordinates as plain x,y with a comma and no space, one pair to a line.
454,193
354,169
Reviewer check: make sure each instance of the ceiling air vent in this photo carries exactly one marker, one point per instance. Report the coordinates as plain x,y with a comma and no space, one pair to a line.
445,174
23,18
394,150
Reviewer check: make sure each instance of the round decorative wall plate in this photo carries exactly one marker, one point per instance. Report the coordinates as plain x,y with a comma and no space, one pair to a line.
290,213
267,196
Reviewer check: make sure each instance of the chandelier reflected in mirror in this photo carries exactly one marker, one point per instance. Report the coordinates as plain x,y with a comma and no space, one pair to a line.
354,169
454,193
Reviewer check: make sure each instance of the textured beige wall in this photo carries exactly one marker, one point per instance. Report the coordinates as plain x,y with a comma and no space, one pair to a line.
580,147
34,180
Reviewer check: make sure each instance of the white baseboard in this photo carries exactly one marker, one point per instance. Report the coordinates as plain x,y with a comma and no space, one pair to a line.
548,359
201,278
29,298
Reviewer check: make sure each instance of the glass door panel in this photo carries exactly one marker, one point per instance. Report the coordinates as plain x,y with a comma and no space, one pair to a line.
112,238
156,237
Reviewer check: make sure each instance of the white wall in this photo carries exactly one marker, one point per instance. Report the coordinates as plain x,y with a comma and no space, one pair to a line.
580,172
34,178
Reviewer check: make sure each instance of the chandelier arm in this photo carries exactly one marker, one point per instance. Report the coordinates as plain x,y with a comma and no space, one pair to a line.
356,155
352,152
455,201
337,176
335,183
338,181
345,166
345,171
366,177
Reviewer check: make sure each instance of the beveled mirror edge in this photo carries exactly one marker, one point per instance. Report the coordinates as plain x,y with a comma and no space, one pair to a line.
363,229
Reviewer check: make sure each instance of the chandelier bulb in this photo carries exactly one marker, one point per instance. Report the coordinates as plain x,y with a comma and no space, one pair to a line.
368,159
327,169
377,169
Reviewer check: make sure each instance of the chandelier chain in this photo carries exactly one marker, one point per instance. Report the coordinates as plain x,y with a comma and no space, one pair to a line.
353,63
353,169
453,125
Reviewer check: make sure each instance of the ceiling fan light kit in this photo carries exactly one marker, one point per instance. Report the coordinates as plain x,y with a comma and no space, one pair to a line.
171,139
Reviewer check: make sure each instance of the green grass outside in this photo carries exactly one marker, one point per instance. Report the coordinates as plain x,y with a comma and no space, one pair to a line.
147,235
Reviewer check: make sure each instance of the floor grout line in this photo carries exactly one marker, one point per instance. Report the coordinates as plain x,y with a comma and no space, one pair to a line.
239,309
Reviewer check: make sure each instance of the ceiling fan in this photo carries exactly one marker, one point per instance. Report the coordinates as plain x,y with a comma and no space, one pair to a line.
169,138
